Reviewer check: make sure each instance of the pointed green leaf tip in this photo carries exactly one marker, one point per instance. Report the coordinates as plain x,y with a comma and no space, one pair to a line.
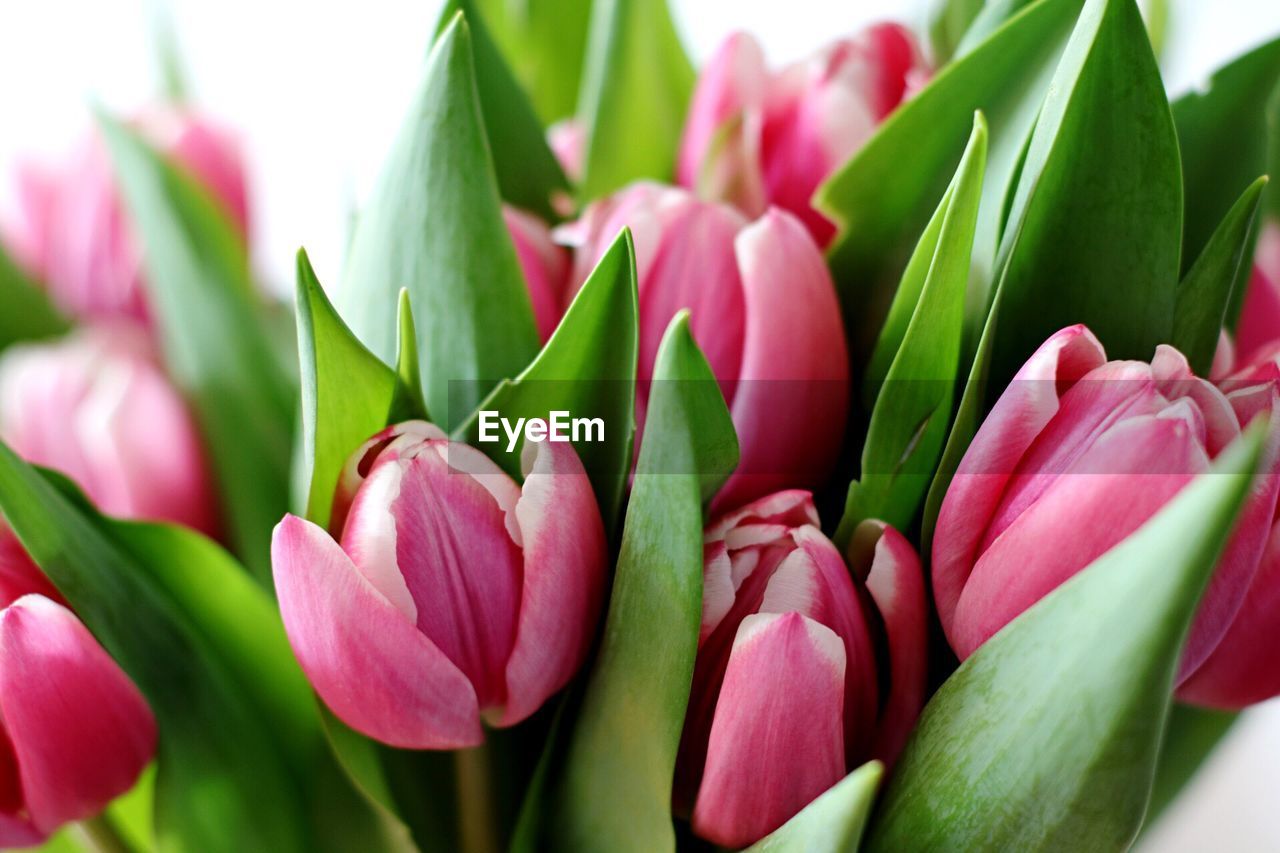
434,226
1046,738
834,822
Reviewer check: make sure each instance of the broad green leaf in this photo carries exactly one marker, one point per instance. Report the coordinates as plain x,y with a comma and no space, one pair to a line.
243,763
635,90
1046,738
26,313
588,369
834,822
615,793
881,208
216,345
1190,737
346,391
545,41
434,225
527,172
1204,294
1094,232
909,419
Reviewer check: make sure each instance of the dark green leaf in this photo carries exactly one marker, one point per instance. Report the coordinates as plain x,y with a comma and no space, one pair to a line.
832,823
1046,738
407,403
1191,736
25,310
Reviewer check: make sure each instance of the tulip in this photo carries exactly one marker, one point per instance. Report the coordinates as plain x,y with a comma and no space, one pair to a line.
763,310
1076,455
97,407
1260,318
787,686
568,141
68,227
19,575
545,266
755,137
74,731
454,595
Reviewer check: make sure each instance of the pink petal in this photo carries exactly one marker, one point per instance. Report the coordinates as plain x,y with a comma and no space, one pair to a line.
370,665
213,158
789,507
545,266
568,141
19,575
395,439
1260,318
776,742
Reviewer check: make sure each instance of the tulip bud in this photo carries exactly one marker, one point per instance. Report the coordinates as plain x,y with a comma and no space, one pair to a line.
755,137
68,227
568,142
786,694
456,594
1077,454
763,310
545,266
74,731
96,407
1260,317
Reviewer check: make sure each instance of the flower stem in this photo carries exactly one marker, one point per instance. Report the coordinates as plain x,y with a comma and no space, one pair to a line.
477,819
101,835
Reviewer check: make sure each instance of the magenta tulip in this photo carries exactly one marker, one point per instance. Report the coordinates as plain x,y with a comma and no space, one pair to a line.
69,230
763,310
454,595
1076,455
787,688
1260,317
545,266
755,137
74,731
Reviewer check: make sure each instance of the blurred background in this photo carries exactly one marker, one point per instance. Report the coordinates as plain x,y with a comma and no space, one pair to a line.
317,90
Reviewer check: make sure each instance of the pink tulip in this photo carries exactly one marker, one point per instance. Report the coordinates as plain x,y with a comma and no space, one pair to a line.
74,731
97,407
568,141
762,308
755,137
1076,455
68,226
19,575
786,694
1260,317
545,266
454,595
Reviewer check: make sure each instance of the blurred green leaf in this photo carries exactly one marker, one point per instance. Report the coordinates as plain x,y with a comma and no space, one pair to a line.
990,17
216,345
635,91
434,225
834,822
1190,737
615,793
546,41
26,313
949,21
1046,738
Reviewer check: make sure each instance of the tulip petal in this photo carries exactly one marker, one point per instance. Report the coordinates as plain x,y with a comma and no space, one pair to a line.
361,462
81,732
544,264
368,662
790,507
777,740
1259,324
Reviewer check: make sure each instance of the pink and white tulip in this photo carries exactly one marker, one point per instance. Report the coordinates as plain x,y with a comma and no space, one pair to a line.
74,731
1259,324
787,688
454,594
756,137
763,310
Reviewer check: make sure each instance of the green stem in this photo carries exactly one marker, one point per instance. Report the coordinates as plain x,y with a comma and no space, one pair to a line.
101,835
477,817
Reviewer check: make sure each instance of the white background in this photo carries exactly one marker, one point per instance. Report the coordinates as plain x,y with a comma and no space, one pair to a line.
317,89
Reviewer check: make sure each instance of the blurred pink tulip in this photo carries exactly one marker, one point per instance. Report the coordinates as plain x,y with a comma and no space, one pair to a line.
1076,455
68,229
568,142
455,595
763,310
97,407
755,137
74,731
786,694
1260,316
545,266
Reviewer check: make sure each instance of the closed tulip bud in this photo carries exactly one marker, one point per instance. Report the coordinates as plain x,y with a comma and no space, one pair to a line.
755,137
1078,453
763,310
454,594
1260,317
75,731
68,226
790,688
545,266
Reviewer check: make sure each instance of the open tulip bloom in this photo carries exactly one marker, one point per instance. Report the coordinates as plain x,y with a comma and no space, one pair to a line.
875,451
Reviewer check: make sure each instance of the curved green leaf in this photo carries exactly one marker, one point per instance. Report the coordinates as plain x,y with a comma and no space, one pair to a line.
834,822
26,313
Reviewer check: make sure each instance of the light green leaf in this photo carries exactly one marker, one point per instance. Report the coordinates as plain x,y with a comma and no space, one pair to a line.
546,41
216,345
834,822
635,91
949,21
434,225
1046,738
615,793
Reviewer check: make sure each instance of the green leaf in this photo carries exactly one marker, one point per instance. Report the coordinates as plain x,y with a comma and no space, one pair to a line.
1190,737
407,403
1046,738
434,225
216,344
26,313
546,41
346,391
991,17
921,343
1094,233
588,369
528,173
948,24
242,761
832,823
615,793
1204,294
635,91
